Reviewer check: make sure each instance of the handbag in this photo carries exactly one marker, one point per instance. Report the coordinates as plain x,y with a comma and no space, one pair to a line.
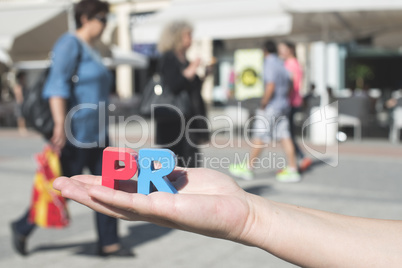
36,109
158,101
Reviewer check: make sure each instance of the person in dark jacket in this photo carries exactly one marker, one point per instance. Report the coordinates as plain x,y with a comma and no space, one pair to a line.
180,78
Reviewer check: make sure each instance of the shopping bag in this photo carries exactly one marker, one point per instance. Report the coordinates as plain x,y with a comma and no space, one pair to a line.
48,208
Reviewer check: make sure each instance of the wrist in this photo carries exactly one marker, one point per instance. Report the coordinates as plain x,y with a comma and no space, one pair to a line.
58,126
256,232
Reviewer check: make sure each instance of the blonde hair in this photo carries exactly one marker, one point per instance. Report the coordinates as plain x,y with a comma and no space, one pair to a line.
172,34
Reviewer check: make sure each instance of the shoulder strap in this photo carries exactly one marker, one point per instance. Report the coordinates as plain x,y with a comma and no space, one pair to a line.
75,78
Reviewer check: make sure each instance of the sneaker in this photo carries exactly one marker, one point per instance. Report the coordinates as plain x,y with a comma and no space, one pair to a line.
288,175
305,163
241,171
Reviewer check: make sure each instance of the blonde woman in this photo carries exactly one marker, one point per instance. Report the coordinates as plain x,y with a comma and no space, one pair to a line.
178,75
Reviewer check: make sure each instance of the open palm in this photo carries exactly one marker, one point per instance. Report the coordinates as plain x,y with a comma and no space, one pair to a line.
208,202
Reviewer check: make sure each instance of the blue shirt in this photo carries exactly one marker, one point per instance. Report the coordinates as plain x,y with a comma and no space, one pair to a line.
275,72
89,124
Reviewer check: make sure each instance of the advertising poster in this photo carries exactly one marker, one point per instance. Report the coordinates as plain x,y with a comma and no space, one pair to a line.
249,71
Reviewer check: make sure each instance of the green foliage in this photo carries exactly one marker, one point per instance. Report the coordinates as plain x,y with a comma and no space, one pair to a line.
360,73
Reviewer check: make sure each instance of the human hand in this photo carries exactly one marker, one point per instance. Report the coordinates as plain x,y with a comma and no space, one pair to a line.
208,203
212,204
58,140
191,69
196,62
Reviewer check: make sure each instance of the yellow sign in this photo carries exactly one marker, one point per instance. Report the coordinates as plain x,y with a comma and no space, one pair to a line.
249,77
249,69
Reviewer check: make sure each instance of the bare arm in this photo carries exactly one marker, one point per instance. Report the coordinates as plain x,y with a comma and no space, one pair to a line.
312,238
58,109
19,97
191,69
269,91
212,204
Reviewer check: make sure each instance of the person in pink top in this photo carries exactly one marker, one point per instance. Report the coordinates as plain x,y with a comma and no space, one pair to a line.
287,51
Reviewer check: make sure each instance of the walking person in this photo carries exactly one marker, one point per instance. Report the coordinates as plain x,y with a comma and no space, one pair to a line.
273,123
287,51
179,76
83,147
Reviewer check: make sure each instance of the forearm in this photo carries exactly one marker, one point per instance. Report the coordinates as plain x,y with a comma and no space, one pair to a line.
18,94
58,109
190,72
312,238
269,91
211,204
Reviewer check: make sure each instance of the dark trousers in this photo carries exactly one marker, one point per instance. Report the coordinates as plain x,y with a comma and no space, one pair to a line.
171,135
73,161
298,151
186,154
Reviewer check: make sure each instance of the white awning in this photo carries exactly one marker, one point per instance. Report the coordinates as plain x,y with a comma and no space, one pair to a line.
306,6
32,65
4,57
29,30
116,58
131,58
219,19
343,20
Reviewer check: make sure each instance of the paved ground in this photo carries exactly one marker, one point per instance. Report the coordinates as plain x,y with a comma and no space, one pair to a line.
366,182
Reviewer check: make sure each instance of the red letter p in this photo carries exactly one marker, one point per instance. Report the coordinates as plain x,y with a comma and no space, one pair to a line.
112,171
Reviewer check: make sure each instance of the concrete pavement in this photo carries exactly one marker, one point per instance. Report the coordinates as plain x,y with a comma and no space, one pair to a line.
366,182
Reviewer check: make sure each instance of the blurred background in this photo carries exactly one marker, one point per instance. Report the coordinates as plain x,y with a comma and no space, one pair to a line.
347,51
351,55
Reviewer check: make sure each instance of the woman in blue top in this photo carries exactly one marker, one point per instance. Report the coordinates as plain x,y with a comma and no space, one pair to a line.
80,134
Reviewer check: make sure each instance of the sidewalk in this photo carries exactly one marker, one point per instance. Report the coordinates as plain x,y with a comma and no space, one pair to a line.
366,182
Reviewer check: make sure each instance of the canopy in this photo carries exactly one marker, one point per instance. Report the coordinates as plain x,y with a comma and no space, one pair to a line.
29,30
307,6
131,58
343,20
114,57
219,19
